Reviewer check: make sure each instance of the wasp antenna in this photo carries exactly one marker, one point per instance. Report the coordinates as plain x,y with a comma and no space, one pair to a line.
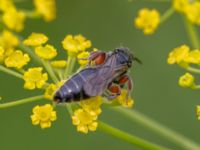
137,60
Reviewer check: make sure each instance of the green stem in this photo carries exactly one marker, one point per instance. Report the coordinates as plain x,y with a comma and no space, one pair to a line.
50,70
163,131
70,65
10,72
196,87
153,0
192,33
146,145
22,101
194,70
167,15
32,14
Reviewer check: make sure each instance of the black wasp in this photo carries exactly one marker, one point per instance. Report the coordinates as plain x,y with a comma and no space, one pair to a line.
105,75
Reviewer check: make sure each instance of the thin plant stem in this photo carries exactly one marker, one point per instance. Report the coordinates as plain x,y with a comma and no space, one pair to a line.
132,139
152,0
21,101
167,15
50,70
10,72
69,69
163,131
196,87
194,70
192,34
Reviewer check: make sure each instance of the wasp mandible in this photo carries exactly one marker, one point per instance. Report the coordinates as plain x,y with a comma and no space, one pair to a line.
105,75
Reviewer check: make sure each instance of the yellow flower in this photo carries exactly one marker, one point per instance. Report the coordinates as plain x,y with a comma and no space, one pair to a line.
34,78
192,11
187,80
35,39
43,115
1,54
75,44
6,5
180,5
49,91
198,112
84,120
178,55
193,57
59,63
14,19
92,104
17,59
83,58
8,40
122,99
147,20
47,8
46,52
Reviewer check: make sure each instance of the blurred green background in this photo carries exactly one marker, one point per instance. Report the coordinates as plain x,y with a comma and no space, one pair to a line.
108,24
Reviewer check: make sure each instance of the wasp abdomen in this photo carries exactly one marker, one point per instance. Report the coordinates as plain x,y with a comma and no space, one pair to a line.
72,89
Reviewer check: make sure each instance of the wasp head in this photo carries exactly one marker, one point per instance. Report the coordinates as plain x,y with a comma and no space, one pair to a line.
125,57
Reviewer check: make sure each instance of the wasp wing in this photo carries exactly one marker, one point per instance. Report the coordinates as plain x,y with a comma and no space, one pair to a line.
97,81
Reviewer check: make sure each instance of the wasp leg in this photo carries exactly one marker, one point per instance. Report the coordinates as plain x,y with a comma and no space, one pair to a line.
113,91
126,79
97,58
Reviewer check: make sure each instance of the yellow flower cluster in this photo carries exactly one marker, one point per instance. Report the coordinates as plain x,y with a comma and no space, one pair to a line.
85,118
83,58
14,18
49,91
198,112
190,8
8,42
34,78
43,116
36,40
47,8
75,44
17,59
183,56
187,80
147,20
124,100
46,52
59,63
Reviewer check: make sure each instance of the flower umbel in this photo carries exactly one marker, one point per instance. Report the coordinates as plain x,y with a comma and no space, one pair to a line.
124,99
59,63
47,8
43,116
198,112
192,12
46,52
83,58
75,44
187,80
34,78
49,91
147,20
84,120
178,55
17,59
14,19
35,39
